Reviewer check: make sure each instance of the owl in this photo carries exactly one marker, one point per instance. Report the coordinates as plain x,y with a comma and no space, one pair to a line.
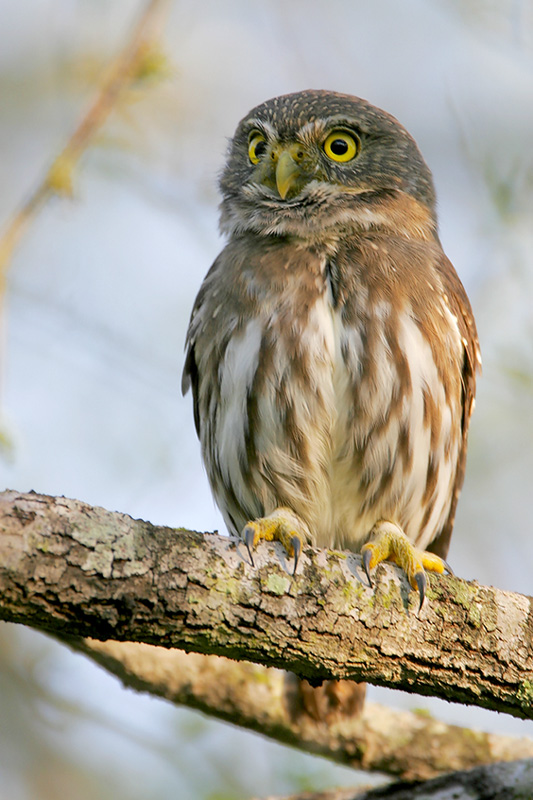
332,351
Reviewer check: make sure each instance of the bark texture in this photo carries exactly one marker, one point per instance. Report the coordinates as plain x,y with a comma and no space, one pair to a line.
73,569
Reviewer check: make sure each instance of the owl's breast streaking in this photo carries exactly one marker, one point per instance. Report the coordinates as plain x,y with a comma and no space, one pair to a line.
320,387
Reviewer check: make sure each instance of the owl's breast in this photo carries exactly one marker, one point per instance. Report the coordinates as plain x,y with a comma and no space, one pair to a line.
329,400
288,380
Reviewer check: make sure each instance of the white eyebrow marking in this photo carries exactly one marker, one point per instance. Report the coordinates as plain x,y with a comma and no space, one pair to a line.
263,126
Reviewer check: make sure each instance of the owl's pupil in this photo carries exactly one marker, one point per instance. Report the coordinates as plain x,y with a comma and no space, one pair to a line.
338,147
260,149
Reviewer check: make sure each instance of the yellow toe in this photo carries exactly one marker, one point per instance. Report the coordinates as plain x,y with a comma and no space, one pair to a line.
284,526
390,543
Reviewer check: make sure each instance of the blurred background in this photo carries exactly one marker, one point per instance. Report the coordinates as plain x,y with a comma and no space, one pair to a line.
99,295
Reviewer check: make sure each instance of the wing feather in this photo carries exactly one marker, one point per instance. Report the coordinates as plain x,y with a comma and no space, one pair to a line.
461,308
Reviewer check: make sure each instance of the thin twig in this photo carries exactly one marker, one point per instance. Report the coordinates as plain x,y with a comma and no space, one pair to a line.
138,59
135,61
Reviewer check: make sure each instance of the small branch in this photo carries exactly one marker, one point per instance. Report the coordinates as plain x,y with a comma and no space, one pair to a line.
329,794
72,569
399,743
510,781
135,60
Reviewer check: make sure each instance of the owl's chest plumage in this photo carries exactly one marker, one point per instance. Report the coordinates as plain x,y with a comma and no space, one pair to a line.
328,396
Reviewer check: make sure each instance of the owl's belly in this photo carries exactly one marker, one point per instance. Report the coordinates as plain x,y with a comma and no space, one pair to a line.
340,423
335,509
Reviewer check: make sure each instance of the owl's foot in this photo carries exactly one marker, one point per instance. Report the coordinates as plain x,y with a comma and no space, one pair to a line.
284,526
391,544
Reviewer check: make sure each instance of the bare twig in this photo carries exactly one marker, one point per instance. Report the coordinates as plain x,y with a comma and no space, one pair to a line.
136,60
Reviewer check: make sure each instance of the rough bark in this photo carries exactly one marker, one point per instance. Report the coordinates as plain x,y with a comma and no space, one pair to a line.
73,569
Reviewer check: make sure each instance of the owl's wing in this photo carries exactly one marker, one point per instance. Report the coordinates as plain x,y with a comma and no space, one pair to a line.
189,379
460,307
202,345
190,375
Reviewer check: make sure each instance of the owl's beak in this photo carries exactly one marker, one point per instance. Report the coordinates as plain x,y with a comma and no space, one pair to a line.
288,170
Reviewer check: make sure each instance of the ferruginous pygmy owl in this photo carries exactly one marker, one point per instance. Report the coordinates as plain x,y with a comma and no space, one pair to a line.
332,351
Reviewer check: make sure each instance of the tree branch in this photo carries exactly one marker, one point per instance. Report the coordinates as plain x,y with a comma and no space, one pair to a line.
505,781
406,745
69,568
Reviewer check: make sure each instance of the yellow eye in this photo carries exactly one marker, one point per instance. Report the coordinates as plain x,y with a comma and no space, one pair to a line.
341,146
256,146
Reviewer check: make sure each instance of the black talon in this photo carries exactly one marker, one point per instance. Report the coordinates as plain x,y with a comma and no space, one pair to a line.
421,582
448,569
297,547
249,537
367,555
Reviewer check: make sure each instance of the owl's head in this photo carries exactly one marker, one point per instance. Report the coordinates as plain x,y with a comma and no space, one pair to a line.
315,161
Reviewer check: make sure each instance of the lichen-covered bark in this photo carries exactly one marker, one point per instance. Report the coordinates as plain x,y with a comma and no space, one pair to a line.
74,569
411,746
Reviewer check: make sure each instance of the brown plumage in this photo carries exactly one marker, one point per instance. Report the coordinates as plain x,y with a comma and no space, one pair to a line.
332,350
